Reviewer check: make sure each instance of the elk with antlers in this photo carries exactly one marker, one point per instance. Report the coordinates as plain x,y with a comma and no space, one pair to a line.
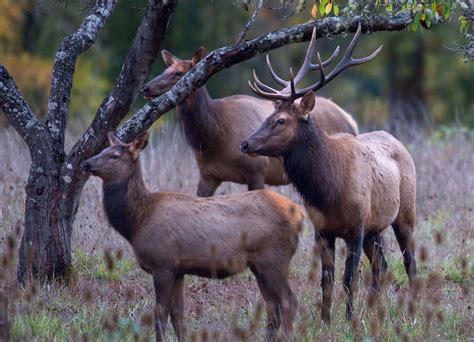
353,186
215,127
175,234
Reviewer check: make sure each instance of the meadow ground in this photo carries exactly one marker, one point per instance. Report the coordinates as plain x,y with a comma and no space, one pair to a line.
108,297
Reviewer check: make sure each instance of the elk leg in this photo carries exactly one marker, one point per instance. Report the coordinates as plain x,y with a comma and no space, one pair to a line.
207,186
373,250
354,248
163,281
271,288
403,233
256,182
328,257
177,308
290,306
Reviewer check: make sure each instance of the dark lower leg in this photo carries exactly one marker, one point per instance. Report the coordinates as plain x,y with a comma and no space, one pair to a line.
404,238
354,249
177,308
373,250
328,257
207,187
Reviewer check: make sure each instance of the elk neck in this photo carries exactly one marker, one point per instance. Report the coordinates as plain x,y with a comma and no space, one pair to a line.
201,126
314,167
124,203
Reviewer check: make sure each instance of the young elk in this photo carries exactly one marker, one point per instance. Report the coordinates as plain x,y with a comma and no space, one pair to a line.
174,234
353,186
215,128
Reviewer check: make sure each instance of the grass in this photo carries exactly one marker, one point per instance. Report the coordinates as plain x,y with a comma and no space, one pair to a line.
108,297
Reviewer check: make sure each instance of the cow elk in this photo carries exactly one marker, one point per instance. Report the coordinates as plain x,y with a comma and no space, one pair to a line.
353,186
214,129
174,234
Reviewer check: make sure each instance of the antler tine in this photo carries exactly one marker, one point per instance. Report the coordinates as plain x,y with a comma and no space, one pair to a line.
270,96
346,62
326,62
292,86
262,85
277,78
307,59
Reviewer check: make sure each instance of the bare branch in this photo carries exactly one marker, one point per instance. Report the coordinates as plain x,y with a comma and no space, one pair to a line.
63,70
228,56
247,26
17,111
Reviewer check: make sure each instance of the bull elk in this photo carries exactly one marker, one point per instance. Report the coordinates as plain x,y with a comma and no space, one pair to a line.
353,186
214,129
174,234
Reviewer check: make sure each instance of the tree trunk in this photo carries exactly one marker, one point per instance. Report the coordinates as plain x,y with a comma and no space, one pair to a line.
45,249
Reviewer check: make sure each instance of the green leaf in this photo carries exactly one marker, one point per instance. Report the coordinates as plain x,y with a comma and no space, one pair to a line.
433,7
428,19
336,9
416,22
390,7
321,8
447,10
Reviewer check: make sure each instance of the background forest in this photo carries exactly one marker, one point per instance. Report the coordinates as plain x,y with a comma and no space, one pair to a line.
416,78
417,88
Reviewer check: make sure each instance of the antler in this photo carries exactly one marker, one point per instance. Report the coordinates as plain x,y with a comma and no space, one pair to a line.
290,92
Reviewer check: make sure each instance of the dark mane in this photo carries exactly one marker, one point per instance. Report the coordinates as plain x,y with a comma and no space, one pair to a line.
199,120
313,167
122,203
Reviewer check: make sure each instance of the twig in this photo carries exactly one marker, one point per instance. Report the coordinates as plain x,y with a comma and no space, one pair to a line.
247,26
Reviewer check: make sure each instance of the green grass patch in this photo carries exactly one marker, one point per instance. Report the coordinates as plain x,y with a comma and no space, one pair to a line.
96,266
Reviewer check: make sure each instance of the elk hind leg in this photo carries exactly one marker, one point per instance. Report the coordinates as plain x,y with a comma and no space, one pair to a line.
403,230
373,251
354,249
272,289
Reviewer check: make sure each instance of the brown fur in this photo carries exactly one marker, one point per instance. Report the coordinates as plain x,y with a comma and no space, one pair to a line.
353,187
174,234
215,127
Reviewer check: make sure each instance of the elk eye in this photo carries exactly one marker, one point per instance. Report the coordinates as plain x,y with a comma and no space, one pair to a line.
281,121
179,73
114,156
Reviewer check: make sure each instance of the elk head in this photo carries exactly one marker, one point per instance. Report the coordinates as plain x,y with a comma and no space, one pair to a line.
116,163
276,134
176,68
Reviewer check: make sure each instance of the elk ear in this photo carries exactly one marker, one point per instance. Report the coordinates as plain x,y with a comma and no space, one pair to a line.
139,144
198,55
168,57
306,105
113,140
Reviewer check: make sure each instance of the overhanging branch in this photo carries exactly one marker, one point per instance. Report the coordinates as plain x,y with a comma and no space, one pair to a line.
17,111
227,56
64,64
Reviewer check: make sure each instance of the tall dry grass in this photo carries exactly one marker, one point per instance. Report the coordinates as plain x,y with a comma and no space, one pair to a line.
112,298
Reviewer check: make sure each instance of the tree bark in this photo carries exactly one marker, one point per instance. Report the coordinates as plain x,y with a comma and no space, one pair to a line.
55,182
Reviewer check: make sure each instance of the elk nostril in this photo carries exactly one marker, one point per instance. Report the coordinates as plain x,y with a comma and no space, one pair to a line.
145,90
85,166
244,146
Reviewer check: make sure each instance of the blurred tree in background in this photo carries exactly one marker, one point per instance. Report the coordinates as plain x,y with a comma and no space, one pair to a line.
416,78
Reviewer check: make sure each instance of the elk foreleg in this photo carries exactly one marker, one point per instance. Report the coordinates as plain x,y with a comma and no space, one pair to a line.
177,308
328,257
207,186
354,249
163,281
